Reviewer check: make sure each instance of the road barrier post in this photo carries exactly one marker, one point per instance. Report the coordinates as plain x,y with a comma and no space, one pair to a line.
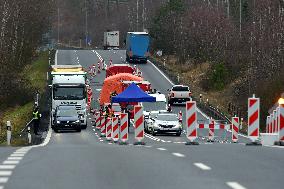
9,133
281,126
274,121
253,120
277,119
270,123
267,124
235,129
180,116
108,128
123,128
103,126
191,123
115,131
139,125
29,135
98,120
211,131
99,67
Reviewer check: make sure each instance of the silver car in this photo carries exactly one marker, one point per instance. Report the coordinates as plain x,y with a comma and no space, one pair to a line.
164,123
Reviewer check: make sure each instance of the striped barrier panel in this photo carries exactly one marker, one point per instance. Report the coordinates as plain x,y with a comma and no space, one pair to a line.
191,120
139,123
211,131
180,116
98,120
270,123
281,123
115,130
253,118
267,124
108,128
103,126
274,121
124,127
235,129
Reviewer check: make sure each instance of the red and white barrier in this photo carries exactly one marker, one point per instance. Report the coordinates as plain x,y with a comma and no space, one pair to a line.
115,130
270,123
274,121
99,67
180,116
267,124
191,120
281,123
235,129
124,127
253,118
277,119
211,131
216,126
139,123
108,128
98,120
103,126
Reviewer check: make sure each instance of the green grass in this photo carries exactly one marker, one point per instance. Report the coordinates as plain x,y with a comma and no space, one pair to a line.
35,76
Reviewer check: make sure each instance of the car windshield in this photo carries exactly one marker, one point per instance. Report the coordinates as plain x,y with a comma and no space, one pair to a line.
180,88
167,117
69,93
67,113
154,106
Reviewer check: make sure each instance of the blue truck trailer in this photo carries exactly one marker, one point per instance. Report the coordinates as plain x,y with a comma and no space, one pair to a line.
137,47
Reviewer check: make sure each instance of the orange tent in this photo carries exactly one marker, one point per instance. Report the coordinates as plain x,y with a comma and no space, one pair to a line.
113,83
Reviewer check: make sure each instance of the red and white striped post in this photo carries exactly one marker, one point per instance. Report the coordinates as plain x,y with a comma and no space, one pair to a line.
281,126
274,121
123,128
98,120
277,119
253,119
180,116
115,130
267,124
139,125
270,123
99,67
108,128
211,131
191,122
103,126
235,129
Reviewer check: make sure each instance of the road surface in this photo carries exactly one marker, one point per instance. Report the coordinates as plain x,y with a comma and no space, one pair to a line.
84,160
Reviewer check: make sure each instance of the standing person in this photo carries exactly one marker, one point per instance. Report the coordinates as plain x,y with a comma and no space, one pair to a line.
36,117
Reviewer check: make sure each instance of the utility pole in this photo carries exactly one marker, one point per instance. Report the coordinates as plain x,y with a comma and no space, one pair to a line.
58,24
240,18
137,16
228,9
143,14
86,29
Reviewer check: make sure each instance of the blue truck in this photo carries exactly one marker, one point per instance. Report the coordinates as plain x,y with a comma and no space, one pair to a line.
137,47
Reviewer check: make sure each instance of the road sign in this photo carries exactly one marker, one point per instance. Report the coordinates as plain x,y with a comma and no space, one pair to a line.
115,131
123,127
139,123
191,121
235,129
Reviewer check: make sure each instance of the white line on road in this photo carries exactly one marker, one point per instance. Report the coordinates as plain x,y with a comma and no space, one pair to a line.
148,146
202,166
3,180
5,173
178,154
17,155
15,158
7,166
101,140
162,149
11,162
235,185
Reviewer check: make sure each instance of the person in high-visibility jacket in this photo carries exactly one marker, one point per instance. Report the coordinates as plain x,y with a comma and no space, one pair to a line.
36,120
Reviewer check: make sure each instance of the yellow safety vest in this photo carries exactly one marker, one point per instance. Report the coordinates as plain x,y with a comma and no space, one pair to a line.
36,115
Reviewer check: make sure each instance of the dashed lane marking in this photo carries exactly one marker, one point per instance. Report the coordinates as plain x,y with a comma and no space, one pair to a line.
7,167
5,173
162,149
17,155
3,180
202,166
11,162
178,154
15,158
148,146
235,185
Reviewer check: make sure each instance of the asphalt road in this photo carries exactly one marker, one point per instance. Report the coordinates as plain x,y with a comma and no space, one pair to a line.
84,160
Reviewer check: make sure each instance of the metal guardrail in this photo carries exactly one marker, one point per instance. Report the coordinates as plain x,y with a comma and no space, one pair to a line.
26,127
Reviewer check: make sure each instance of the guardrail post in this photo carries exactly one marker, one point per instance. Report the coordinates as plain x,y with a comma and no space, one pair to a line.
29,135
9,133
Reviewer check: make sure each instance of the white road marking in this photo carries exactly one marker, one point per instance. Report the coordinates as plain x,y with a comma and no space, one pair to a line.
94,129
16,152
202,166
11,162
17,155
101,140
15,158
148,146
235,185
7,166
3,180
5,173
162,149
274,146
178,154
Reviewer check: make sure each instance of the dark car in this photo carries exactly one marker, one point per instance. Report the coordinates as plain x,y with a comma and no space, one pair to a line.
66,117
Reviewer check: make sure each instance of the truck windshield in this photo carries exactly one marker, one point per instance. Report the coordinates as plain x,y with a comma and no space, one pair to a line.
69,93
67,113
154,106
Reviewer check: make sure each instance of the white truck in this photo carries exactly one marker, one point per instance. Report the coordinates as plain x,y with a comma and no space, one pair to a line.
68,87
111,39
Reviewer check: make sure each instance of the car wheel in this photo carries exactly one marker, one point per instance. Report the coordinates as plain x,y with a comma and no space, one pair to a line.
78,129
178,133
153,132
55,130
84,126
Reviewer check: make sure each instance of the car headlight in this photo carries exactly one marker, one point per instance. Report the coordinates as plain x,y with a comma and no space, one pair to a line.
78,121
156,125
58,122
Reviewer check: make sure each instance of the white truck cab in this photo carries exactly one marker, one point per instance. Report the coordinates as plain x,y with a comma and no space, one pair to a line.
68,87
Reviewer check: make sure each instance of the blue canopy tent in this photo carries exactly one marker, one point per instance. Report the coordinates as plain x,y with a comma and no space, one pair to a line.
133,94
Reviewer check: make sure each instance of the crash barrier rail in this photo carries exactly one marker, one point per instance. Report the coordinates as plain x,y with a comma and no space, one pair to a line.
275,124
206,107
